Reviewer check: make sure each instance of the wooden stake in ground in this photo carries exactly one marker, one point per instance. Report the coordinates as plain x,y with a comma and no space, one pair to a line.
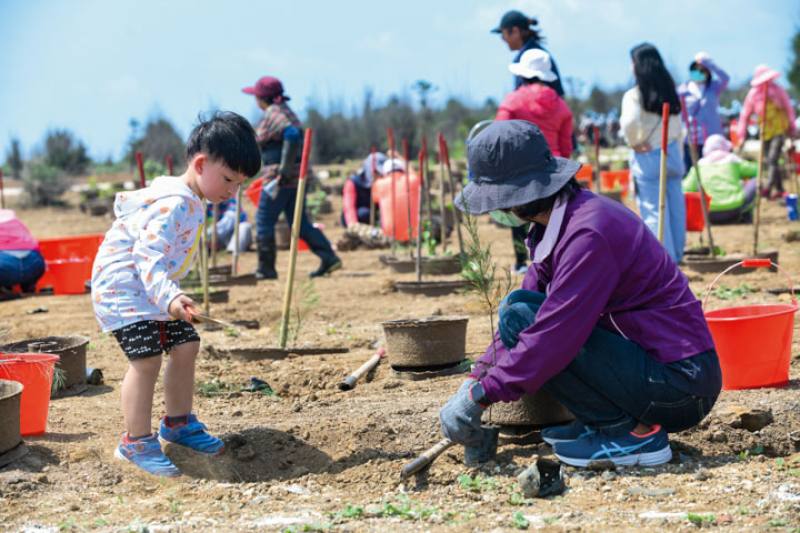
393,237
374,165
597,187
204,267
214,243
427,192
2,191
406,171
442,213
761,122
140,165
662,174
235,261
418,266
692,132
298,214
456,212
170,169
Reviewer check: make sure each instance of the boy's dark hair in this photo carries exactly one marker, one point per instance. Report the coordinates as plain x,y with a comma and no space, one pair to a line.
229,138
654,80
531,209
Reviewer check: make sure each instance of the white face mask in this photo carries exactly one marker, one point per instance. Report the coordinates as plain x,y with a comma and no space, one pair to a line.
507,218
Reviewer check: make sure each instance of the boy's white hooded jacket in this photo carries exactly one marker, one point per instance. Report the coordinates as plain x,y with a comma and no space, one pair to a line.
150,246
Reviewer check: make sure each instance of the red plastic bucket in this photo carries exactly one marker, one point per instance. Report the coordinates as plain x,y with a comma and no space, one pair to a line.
754,342
694,211
616,179
35,372
585,175
76,246
69,276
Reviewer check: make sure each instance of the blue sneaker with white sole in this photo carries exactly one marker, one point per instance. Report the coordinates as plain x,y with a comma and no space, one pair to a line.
566,433
624,450
146,453
192,435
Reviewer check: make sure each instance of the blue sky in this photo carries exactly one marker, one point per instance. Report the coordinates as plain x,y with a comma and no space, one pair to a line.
91,65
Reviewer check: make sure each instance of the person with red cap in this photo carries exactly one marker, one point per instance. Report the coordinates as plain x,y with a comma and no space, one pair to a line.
778,123
279,136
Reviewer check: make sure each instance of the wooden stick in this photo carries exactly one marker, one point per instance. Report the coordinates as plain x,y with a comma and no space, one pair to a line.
406,171
693,153
761,123
372,187
393,238
140,164
204,268
235,260
2,191
427,192
214,243
442,213
662,174
170,168
597,186
349,383
422,179
298,214
426,458
456,212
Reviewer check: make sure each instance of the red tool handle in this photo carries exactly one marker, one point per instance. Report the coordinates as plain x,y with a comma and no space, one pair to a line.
140,164
664,125
306,152
756,262
390,135
445,153
169,164
596,132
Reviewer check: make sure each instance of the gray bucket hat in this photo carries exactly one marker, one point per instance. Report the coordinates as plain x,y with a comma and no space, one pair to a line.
510,164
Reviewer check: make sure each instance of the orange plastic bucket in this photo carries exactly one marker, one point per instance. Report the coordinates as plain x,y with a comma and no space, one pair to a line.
76,246
753,342
694,211
584,175
616,179
69,276
35,372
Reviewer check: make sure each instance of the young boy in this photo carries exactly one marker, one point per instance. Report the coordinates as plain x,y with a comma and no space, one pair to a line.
136,294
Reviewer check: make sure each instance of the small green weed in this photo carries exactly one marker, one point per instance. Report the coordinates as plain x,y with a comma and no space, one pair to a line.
778,522
758,449
732,293
515,498
215,387
701,519
477,483
519,521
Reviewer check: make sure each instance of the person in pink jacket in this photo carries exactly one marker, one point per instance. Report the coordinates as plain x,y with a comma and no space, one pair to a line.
21,263
779,122
537,103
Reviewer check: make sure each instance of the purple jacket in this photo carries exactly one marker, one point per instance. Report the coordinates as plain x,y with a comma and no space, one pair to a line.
608,270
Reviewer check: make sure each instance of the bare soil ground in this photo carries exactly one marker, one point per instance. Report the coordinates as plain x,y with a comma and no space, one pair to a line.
314,458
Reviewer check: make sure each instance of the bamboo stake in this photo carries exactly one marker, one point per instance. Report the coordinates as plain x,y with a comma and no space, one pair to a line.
372,187
235,261
427,192
597,186
393,238
406,171
456,212
692,132
442,213
204,269
140,165
214,244
761,123
422,179
662,174
298,214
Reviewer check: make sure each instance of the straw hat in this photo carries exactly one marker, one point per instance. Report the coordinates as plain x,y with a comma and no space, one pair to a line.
763,74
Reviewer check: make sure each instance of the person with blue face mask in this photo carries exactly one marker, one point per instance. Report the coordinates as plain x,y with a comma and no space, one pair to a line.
701,96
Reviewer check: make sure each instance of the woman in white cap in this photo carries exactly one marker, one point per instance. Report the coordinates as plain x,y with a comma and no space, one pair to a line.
778,124
536,102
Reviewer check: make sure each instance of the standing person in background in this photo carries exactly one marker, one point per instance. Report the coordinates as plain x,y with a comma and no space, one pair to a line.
778,124
280,138
521,34
539,104
701,96
640,121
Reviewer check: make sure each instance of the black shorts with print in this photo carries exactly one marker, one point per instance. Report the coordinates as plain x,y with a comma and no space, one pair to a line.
151,338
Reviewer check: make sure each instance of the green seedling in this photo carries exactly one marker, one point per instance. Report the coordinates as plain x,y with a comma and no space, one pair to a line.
476,484
211,388
701,519
406,509
758,449
306,299
231,332
519,521
516,498
59,380
778,522
733,293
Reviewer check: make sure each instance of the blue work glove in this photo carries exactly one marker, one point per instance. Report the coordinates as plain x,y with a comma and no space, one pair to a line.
461,416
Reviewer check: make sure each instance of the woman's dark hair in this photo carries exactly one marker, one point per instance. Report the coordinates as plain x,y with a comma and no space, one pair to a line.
654,80
229,138
531,29
697,66
542,205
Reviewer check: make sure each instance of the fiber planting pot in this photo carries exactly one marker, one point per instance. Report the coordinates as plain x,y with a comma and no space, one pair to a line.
10,393
430,288
71,350
539,409
425,342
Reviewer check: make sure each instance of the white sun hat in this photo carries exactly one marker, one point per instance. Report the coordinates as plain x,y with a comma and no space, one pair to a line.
534,63
393,165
